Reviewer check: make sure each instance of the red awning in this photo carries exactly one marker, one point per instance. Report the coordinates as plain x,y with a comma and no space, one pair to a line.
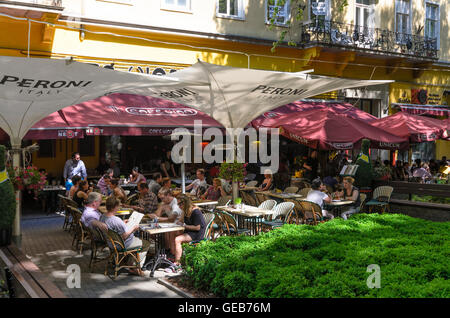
433,110
118,114
416,128
326,128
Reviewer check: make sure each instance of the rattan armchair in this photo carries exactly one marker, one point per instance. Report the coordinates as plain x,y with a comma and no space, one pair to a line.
81,234
312,212
119,254
380,199
304,192
281,211
291,190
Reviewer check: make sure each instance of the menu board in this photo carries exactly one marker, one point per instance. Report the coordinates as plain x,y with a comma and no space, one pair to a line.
349,170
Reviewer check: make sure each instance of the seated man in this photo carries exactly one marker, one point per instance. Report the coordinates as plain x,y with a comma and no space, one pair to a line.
169,207
91,215
197,183
318,196
116,224
147,203
155,183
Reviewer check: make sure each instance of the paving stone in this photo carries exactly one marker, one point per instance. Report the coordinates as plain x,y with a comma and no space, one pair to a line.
47,245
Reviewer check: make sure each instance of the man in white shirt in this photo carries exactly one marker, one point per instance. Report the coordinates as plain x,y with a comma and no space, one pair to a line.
74,167
197,183
169,207
317,196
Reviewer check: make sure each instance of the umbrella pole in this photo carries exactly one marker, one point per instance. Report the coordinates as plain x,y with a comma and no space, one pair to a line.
183,178
16,234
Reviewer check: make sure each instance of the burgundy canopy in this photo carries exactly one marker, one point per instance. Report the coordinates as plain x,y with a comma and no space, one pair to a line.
293,109
118,114
415,128
326,128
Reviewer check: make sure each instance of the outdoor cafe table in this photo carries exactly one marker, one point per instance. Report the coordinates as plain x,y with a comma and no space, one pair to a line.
203,203
122,213
247,218
179,181
160,258
336,206
280,197
50,194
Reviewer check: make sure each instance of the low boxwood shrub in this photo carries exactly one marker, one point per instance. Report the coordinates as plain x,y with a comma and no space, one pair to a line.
327,260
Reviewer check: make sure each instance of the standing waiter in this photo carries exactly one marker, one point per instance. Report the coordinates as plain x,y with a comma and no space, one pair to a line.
73,167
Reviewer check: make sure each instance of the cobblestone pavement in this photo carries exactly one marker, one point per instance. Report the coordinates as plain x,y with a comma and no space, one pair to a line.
47,245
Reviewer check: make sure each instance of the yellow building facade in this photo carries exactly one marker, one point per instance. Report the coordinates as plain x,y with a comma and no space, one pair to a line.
402,40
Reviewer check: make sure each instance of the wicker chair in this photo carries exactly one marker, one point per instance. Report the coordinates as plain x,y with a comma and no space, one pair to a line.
65,201
230,225
312,212
132,200
224,200
380,199
281,211
362,198
291,190
268,204
304,192
118,254
98,243
260,198
296,215
247,198
252,183
81,234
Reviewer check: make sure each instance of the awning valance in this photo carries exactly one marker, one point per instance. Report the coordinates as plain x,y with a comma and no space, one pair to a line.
414,109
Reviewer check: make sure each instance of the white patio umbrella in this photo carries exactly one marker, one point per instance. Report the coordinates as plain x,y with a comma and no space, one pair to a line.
31,89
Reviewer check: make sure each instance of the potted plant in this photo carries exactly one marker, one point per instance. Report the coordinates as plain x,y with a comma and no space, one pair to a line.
7,203
234,172
29,178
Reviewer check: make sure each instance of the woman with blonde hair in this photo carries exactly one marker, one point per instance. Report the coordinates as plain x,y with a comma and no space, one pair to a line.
350,193
194,226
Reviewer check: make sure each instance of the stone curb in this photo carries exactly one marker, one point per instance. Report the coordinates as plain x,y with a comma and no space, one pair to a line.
164,282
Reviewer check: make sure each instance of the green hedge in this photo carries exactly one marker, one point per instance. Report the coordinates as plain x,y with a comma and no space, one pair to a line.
428,198
327,260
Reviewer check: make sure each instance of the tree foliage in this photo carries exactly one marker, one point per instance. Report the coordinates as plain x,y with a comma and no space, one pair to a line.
297,10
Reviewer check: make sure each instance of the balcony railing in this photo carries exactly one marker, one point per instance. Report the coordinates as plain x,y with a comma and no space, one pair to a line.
48,3
330,33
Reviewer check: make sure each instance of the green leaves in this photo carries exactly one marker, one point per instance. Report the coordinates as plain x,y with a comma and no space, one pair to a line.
328,260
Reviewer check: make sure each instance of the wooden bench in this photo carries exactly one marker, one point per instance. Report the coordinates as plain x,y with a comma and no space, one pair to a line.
27,280
420,189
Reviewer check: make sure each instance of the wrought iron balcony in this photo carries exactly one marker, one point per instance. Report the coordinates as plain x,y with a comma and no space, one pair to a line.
47,3
336,34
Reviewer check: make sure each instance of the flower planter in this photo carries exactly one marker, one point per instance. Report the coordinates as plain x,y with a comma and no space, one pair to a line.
5,237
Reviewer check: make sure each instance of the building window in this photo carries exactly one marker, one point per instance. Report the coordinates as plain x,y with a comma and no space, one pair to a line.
47,148
281,8
402,20
86,146
230,9
319,13
364,13
432,21
176,5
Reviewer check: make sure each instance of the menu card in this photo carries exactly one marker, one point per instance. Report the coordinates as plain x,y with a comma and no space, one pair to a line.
134,220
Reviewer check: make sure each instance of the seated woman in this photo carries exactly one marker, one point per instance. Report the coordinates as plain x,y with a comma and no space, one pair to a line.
166,183
194,226
267,183
117,191
116,224
137,177
81,195
350,193
74,188
318,195
215,191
